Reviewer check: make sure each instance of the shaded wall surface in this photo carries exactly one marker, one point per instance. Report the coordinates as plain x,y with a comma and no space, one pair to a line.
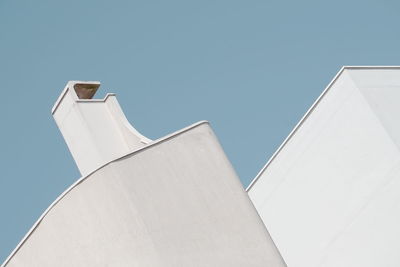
331,194
175,202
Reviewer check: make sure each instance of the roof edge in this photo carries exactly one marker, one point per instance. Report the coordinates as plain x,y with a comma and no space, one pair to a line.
83,178
309,111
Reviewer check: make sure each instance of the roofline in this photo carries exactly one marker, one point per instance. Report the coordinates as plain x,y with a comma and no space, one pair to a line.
308,113
83,178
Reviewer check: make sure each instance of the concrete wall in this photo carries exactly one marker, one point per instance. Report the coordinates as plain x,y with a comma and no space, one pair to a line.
174,202
330,196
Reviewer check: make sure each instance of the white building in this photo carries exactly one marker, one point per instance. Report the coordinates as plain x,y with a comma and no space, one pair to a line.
330,195
175,201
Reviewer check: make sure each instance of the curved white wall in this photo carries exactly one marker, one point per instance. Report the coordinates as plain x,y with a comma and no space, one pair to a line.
173,202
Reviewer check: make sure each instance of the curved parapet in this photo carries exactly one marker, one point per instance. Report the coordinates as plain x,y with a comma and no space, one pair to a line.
95,130
175,202
330,195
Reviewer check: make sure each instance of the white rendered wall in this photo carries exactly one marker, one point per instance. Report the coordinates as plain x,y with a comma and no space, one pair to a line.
174,202
330,196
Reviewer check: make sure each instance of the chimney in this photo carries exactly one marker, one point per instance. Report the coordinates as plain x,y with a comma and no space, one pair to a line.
95,130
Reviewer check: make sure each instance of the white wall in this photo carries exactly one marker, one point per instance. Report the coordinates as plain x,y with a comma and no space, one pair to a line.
331,195
174,202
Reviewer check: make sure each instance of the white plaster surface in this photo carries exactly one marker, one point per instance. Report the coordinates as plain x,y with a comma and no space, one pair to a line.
174,202
331,195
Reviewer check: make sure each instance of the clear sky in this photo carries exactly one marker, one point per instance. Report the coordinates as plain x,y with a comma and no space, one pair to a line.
251,68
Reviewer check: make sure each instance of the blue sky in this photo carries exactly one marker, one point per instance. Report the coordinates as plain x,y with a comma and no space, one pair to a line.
251,68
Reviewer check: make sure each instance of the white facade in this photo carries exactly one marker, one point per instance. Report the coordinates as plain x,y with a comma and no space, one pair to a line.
172,202
330,195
